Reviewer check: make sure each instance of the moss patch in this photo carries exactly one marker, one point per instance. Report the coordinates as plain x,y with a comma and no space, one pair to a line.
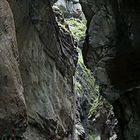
78,28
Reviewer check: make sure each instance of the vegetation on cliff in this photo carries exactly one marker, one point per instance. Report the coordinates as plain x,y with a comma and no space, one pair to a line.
86,86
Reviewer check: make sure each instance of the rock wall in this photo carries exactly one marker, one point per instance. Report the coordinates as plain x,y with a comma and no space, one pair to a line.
43,65
70,8
13,115
111,51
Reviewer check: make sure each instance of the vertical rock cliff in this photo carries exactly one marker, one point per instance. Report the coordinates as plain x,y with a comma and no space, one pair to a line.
111,50
38,60
38,63
13,115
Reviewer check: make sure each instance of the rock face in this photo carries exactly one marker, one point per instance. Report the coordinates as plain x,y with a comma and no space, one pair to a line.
70,8
13,117
47,61
111,51
102,121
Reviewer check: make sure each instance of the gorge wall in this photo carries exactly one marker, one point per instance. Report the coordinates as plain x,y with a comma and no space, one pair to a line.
37,65
38,62
111,50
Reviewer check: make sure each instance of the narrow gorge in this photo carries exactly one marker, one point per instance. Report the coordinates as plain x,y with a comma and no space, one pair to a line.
69,69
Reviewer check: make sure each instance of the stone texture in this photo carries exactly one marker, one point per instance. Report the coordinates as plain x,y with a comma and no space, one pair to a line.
47,61
70,8
111,51
13,117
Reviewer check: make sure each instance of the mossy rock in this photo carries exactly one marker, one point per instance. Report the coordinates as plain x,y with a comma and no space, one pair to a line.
77,27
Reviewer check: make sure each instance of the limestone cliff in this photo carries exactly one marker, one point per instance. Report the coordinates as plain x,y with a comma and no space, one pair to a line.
38,63
111,51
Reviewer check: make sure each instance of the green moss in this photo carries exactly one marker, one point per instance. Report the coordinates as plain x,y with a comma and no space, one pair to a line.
91,136
94,107
85,82
79,89
99,104
78,28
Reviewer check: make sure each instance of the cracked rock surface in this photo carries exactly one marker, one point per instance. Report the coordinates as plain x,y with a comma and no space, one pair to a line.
37,65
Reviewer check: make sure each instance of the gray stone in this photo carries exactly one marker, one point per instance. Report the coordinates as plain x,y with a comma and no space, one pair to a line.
47,61
112,44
